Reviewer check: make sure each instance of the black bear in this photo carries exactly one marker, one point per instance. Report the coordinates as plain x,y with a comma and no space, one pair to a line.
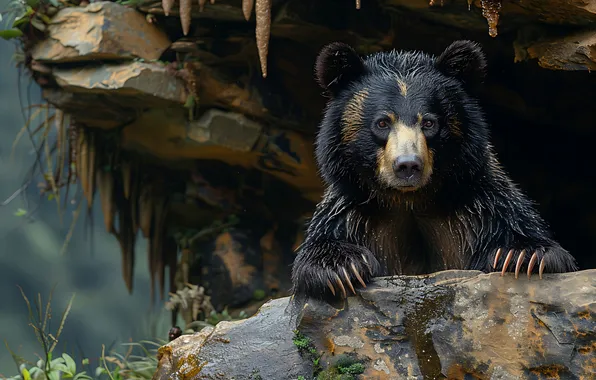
413,185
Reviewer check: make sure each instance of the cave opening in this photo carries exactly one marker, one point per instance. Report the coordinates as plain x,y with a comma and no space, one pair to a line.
541,119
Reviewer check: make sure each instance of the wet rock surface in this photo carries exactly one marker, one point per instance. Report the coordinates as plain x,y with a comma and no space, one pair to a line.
451,324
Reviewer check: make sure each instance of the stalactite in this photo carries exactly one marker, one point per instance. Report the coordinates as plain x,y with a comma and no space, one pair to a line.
185,15
83,161
490,11
91,171
167,6
247,6
105,183
263,31
145,211
61,142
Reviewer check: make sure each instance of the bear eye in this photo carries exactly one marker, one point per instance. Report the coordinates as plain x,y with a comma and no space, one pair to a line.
382,124
427,124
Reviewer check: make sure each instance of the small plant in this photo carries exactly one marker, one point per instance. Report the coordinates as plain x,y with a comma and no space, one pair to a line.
46,368
255,375
129,366
306,347
63,367
115,366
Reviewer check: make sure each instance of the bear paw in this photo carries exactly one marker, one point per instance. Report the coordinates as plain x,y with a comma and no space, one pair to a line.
550,261
340,275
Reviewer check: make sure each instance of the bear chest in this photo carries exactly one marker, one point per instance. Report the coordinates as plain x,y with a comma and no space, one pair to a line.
409,244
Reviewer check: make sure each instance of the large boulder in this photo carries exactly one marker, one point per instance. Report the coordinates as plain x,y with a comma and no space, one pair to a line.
452,324
100,31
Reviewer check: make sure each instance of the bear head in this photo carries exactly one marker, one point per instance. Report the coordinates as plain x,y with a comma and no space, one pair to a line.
400,123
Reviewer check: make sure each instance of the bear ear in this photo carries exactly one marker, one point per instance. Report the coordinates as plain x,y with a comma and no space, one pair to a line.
463,60
337,65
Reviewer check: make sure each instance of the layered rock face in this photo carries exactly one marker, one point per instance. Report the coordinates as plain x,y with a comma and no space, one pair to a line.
448,325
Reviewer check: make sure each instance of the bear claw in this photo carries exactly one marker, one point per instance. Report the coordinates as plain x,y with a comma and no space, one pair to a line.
497,255
507,261
358,275
319,277
348,280
331,287
531,264
365,260
339,283
519,262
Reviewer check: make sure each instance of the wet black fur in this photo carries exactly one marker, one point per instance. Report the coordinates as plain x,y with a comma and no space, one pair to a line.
469,209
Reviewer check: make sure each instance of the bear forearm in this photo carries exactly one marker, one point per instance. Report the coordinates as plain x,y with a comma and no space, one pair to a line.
522,240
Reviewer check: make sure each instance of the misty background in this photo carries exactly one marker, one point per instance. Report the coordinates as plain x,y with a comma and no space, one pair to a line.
103,312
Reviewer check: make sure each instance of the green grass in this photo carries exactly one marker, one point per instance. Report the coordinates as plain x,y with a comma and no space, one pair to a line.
139,361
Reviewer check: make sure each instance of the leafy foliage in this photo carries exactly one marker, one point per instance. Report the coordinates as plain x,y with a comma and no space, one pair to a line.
114,366
63,367
23,14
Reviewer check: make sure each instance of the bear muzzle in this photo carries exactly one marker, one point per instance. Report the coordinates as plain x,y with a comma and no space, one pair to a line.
405,163
408,168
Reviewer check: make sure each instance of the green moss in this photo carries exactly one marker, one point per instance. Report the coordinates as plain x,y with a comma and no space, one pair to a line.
349,365
307,348
344,368
332,373
255,375
304,344
354,369
259,294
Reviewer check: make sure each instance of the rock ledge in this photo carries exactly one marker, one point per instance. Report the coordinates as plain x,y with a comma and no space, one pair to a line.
451,324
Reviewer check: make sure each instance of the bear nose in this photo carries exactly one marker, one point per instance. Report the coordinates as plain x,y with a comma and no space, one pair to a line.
407,166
